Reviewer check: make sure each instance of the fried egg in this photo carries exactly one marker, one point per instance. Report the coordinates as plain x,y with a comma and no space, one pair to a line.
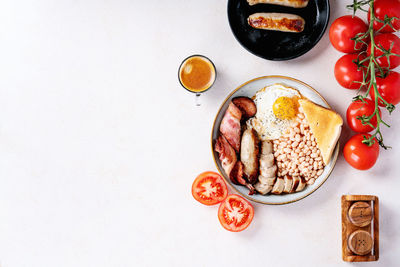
277,106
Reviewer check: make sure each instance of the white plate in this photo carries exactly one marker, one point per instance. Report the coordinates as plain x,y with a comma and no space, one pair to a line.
249,89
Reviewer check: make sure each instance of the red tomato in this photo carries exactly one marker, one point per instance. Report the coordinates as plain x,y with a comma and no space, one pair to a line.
386,40
359,108
209,188
391,8
360,155
235,213
347,72
388,88
345,28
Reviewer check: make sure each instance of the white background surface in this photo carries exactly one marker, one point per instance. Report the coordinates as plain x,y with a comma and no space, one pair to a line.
99,144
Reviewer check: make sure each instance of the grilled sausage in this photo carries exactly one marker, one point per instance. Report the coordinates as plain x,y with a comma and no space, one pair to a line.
295,184
277,22
289,3
266,180
265,184
263,188
288,184
269,171
267,177
246,106
278,186
249,151
266,147
301,185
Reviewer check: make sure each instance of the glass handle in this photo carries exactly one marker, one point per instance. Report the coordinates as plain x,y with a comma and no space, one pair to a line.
197,99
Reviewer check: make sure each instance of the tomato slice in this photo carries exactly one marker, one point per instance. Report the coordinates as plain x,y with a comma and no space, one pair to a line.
235,213
209,188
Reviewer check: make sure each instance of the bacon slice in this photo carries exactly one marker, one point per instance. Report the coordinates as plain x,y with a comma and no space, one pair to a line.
237,176
237,173
230,126
227,155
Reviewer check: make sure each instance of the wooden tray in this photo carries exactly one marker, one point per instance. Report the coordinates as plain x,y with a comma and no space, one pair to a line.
360,228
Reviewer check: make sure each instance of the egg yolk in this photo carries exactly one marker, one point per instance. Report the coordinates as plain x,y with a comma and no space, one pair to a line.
285,108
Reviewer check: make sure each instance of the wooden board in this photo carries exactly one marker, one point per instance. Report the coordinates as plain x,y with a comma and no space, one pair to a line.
359,235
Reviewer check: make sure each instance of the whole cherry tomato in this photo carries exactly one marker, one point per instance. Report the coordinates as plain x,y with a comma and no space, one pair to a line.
347,73
345,28
386,41
389,8
360,155
388,88
359,108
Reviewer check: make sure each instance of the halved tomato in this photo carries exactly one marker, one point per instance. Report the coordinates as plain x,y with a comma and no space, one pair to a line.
235,213
209,188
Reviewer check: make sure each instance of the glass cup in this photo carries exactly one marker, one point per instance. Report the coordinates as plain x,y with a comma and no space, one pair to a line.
197,74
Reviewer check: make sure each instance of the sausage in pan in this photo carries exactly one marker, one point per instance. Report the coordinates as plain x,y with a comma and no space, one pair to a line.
290,3
277,22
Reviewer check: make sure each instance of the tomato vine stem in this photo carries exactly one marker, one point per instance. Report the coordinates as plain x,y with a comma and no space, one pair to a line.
372,68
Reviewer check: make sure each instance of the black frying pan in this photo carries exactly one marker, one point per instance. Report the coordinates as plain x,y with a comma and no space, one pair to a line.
275,45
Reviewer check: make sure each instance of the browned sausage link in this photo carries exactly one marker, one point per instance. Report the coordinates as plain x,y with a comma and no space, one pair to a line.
278,22
290,24
290,3
246,106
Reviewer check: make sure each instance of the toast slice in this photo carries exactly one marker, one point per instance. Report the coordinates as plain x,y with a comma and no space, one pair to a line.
326,126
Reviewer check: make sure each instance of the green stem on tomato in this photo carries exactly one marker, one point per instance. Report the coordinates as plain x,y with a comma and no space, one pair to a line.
371,68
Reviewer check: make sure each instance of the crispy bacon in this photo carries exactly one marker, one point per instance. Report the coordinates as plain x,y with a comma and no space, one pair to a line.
237,177
227,154
251,188
230,126
237,174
